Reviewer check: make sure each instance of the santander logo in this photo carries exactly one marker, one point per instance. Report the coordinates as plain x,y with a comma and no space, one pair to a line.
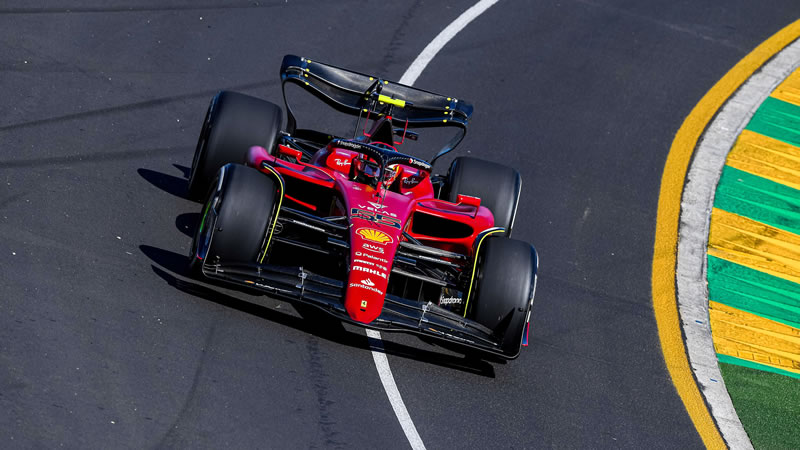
367,282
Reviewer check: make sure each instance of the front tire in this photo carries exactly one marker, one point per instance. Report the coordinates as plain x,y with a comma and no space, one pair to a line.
237,217
502,294
234,123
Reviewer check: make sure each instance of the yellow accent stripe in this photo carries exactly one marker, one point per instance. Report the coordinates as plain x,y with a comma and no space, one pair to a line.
277,211
755,245
392,101
669,204
767,158
753,338
475,265
789,89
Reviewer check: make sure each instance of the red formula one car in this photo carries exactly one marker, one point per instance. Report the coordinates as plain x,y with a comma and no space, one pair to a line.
354,226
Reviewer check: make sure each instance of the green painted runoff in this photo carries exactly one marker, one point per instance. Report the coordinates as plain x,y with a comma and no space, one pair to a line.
777,119
759,199
752,291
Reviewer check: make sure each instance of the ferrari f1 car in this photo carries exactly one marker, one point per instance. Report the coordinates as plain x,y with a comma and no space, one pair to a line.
356,227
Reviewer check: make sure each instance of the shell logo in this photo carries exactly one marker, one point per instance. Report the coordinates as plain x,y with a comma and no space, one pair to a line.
373,235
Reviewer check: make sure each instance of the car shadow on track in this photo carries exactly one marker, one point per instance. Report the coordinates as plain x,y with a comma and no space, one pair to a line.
177,186
172,268
187,223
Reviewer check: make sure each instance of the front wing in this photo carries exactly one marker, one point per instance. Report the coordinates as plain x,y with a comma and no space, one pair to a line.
398,315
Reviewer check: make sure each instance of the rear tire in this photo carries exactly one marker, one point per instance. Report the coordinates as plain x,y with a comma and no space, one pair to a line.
234,123
497,186
505,281
245,207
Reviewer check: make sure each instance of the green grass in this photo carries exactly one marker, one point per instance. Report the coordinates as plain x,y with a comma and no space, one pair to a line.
768,405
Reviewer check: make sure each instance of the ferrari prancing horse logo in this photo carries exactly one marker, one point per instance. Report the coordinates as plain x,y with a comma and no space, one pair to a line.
374,235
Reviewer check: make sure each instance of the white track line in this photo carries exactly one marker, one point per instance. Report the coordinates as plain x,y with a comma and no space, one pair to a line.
385,372
381,362
415,69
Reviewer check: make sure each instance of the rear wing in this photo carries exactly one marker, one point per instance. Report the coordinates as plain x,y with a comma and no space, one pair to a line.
358,94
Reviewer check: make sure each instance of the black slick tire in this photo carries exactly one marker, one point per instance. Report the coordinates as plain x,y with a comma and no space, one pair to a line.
246,210
497,186
503,289
234,122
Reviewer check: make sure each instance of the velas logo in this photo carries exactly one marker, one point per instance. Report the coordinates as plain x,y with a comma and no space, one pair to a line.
374,235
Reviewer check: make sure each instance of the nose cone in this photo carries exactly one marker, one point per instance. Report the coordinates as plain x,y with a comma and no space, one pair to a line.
375,231
366,288
371,254
362,309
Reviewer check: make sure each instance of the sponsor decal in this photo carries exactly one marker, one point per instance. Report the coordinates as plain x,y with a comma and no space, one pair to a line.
416,163
364,286
413,180
341,162
376,207
373,248
450,297
367,255
348,144
374,235
419,164
370,263
450,301
372,216
368,282
369,270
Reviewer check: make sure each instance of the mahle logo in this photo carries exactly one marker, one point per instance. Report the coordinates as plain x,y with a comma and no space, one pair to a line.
373,235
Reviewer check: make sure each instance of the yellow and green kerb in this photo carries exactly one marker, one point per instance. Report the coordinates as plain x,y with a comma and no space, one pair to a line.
754,241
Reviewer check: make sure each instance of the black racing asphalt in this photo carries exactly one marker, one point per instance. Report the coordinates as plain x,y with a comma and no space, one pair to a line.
106,343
